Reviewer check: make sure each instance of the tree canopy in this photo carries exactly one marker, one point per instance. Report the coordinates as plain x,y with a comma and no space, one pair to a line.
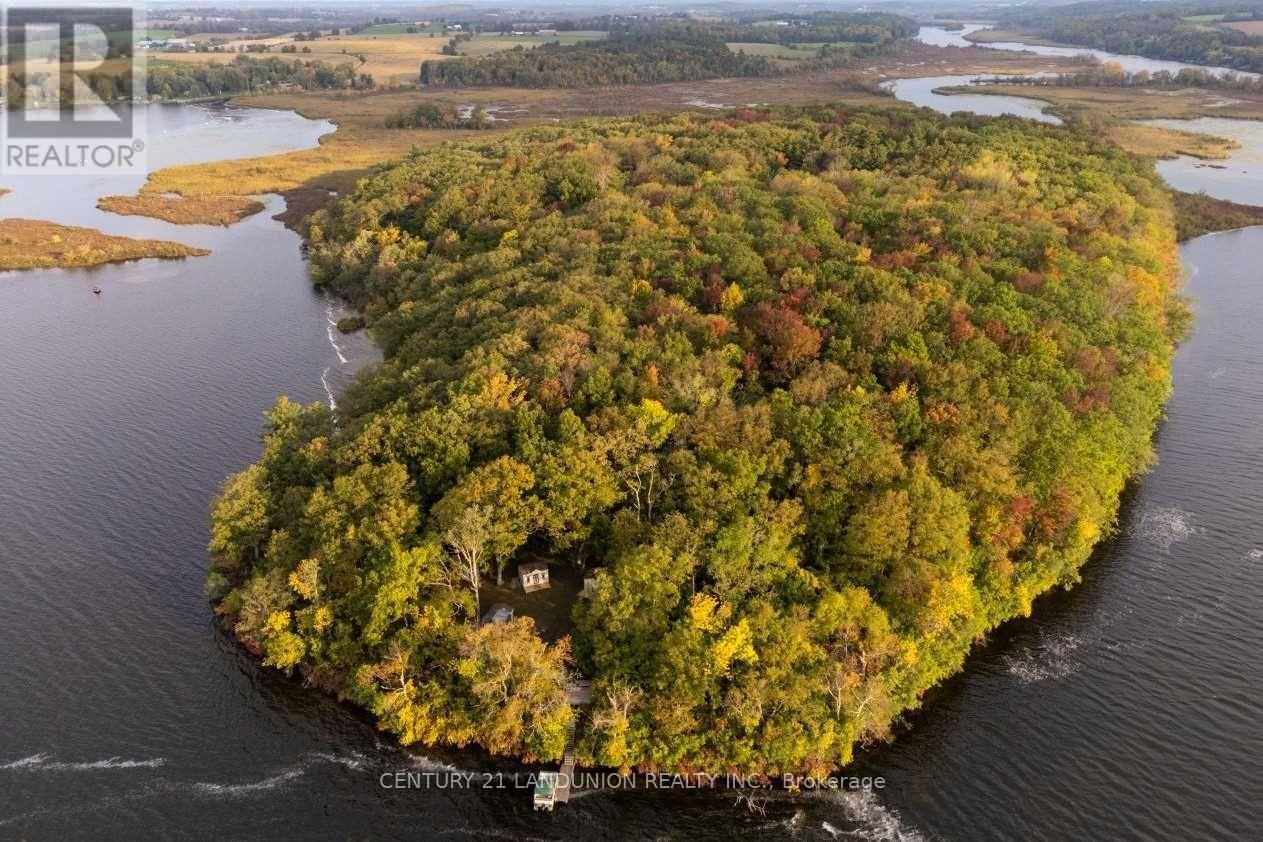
818,397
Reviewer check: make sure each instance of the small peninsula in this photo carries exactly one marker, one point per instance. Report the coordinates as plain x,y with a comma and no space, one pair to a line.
38,244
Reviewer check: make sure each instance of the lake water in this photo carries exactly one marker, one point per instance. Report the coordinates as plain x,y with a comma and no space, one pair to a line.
1126,708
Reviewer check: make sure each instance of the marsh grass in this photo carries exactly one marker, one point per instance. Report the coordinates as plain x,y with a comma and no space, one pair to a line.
183,210
36,244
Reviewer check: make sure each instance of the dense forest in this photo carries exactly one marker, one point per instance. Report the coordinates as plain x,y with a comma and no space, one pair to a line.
1180,32
660,52
654,54
818,397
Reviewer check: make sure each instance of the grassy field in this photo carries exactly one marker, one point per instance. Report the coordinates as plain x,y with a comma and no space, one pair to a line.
35,244
484,45
233,44
391,54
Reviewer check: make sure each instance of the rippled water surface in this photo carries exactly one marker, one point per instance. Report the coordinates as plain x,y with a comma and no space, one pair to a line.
1125,709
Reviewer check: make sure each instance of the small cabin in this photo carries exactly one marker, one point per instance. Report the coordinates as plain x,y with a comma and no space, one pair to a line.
533,575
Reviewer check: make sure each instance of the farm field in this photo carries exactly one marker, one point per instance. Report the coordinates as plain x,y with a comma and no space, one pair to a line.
388,52
391,59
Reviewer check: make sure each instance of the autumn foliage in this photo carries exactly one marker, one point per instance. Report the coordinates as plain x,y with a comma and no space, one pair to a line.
818,398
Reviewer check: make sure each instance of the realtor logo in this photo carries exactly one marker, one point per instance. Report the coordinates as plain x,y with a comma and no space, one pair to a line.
73,76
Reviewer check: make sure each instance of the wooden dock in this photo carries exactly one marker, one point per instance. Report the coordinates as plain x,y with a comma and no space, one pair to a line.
567,762
554,787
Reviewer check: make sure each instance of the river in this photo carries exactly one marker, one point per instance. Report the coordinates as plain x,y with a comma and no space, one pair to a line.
1125,708
940,37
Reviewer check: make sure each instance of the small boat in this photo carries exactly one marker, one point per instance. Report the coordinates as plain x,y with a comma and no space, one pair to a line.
546,791
96,290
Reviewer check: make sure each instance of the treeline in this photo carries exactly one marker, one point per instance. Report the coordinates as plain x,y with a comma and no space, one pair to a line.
814,28
817,397
661,52
636,56
1157,31
245,73
52,90
1113,75
1197,214
821,28
186,81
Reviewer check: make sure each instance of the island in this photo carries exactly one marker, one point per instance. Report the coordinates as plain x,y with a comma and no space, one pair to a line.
807,400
